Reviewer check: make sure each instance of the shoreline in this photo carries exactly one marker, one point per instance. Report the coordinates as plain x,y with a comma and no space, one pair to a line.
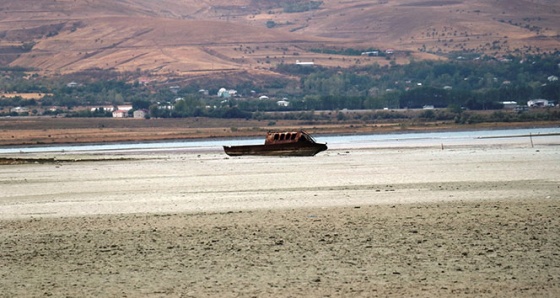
91,131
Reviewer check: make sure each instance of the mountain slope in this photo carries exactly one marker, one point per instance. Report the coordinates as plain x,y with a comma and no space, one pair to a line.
187,38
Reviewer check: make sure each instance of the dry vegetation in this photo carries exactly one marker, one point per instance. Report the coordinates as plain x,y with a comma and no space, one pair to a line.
192,38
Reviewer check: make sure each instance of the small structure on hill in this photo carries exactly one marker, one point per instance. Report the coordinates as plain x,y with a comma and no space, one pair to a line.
224,93
283,103
304,63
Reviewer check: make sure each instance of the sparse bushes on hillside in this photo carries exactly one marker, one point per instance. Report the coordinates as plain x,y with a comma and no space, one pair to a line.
301,6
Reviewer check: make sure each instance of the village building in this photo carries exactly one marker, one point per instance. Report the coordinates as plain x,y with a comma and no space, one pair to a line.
120,114
283,103
223,92
304,62
538,103
124,107
102,109
510,105
370,53
140,114
19,110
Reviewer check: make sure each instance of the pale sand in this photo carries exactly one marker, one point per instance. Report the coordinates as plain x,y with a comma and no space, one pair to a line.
464,221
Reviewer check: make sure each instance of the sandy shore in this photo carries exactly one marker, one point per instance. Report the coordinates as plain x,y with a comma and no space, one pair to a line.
464,221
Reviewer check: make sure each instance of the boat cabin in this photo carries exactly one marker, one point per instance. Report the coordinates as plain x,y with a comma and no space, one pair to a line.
287,137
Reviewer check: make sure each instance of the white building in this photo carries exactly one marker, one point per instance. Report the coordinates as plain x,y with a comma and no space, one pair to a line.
223,92
19,110
304,63
120,114
140,114
283,103
103,109
509,104
537,103
125,108
370,53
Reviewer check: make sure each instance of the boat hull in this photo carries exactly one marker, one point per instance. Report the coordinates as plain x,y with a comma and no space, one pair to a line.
294,149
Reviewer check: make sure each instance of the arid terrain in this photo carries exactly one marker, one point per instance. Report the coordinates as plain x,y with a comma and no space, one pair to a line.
470,220
246,38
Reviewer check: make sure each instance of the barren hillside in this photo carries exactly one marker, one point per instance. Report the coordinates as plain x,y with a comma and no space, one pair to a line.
194,38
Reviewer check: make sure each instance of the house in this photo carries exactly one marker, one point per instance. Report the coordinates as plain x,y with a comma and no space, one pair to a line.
370,53
103,109
120,114
223,92
140,114
537,103
283,103
125,108
304,63
510,105
263,97
19,110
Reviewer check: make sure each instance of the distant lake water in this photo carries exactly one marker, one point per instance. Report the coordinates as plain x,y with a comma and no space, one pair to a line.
422,139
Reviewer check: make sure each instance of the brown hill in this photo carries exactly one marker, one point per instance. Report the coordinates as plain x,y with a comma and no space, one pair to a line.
247,37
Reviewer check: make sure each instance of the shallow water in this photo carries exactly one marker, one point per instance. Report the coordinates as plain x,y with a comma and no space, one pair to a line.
422,139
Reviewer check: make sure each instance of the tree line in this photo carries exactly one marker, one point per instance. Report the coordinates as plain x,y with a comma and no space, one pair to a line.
479,83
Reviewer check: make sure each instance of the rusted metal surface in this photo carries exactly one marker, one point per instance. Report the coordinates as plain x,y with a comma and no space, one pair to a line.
286,137
287,143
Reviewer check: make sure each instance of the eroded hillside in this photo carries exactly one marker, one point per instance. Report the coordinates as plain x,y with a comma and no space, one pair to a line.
248,37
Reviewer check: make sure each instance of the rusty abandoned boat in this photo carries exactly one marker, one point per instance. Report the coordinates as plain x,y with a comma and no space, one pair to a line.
290,143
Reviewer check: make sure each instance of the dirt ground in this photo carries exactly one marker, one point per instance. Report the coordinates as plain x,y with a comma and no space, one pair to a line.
467,221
